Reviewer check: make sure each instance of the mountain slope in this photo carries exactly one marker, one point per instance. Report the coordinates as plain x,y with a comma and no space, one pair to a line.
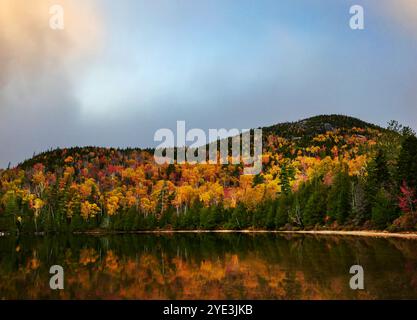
324,171
302,132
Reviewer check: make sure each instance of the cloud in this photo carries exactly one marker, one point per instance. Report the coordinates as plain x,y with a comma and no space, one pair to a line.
211,63
38,69
402,12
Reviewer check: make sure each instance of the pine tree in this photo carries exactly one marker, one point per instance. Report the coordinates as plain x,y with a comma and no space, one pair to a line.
259,217
339,198
383,211
238,219
407,162
378,177
315,208
381,172
271,215
287,174
205,219
283,208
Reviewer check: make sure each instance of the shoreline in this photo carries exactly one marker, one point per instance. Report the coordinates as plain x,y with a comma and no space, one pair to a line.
361,233
357,233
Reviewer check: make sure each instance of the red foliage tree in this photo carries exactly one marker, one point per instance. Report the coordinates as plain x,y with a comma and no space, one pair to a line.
407,199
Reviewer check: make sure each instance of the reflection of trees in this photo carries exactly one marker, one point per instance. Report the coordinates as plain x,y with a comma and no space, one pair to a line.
208,266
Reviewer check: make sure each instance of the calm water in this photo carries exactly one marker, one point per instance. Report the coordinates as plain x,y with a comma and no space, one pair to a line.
207,266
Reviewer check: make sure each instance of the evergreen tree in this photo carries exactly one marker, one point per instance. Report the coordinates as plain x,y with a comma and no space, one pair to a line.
206,221
271,215
287,174
238,218
339,198
259,217
283,209
381,173
407,162
315,208
383,211
378,177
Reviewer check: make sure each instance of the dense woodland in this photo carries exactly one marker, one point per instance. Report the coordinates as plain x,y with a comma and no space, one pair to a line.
325,172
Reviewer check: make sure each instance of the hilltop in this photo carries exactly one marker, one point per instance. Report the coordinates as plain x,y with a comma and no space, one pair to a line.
302,131
318,125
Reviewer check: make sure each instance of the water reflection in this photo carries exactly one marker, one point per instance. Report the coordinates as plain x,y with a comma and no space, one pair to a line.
207,266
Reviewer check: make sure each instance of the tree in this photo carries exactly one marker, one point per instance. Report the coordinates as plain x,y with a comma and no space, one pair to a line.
38,205
283,209
271,215
287,174
408,206
315,208
206,219
11,211
361,210
383,211
378,177
407,162
407,200
89,210
339,198
239,218
381,173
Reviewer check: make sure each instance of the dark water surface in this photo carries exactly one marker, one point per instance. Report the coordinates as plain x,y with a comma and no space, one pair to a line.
207,266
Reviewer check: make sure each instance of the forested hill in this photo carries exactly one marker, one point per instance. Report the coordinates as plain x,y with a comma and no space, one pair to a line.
302,131
328,171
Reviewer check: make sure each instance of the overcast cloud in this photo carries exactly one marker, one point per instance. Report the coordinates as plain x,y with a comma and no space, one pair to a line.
120,70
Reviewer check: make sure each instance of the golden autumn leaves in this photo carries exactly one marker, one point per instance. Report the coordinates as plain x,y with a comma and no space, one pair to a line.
103,182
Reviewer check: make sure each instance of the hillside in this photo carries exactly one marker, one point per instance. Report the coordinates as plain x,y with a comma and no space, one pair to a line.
322,172
303,132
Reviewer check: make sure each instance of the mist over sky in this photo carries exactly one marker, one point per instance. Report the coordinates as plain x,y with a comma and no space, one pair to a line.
120,70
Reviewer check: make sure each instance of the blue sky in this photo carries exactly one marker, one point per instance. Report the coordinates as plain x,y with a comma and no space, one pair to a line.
123,69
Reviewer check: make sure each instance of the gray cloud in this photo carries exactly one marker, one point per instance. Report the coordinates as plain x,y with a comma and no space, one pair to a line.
38,107
214,65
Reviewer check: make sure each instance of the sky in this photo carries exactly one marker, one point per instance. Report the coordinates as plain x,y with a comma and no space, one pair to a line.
121,70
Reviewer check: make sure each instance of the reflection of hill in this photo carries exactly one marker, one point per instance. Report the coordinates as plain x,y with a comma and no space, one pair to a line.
208,266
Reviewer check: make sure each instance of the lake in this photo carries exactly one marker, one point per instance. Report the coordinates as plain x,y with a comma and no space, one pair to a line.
207,266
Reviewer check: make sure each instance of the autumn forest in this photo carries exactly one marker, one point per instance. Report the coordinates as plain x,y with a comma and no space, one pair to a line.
325,172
